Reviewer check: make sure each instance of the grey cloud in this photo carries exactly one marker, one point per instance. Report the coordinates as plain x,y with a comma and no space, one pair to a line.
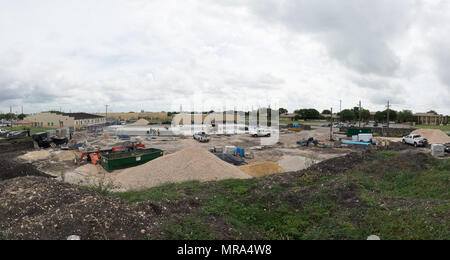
264,81
355,32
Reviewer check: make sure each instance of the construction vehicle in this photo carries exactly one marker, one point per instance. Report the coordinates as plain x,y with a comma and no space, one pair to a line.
415,140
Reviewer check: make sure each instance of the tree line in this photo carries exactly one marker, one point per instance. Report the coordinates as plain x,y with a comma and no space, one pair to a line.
355,114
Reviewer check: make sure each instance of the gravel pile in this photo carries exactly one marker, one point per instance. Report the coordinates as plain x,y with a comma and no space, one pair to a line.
186,165
260,169
434,136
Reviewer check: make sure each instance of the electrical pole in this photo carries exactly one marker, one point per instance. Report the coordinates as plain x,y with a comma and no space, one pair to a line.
388,106
106,117
331,126
360,114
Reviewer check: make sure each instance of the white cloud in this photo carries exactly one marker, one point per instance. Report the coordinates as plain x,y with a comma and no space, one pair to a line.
156,55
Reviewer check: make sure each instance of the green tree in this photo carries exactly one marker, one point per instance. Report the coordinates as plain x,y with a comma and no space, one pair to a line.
283,111
405,116
21,116
365,115
326,112
347,115
307,114
432,112
381,116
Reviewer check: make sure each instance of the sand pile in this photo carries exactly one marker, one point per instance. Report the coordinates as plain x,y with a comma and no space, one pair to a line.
65,156
259,169
434,136
141,122
295,163
186,165
35,156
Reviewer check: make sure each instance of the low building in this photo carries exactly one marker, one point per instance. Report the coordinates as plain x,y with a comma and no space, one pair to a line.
24,123
328,116
288,117
430,119
60,120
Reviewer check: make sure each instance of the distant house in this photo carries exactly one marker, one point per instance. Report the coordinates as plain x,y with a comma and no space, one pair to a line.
328,116
430,119
288,117
59,120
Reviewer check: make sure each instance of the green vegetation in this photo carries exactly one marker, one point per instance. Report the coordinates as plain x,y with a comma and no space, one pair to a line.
392,195
33,130
307,114
440,127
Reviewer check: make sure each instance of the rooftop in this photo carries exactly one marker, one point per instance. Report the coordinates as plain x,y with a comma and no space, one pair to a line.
81,116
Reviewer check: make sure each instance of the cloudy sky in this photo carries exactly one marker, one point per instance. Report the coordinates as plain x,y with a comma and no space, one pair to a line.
156,55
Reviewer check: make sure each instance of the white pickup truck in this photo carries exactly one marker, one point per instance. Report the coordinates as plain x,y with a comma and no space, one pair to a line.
260,133
202,137
415,140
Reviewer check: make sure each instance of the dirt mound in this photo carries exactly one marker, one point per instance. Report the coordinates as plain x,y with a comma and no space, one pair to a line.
434,136
295,163
16,146
11,169
259,169
141,122
65,156
40,208
35,156
186,165
339,164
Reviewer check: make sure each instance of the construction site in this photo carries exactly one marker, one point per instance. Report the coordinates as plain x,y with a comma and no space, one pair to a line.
98,165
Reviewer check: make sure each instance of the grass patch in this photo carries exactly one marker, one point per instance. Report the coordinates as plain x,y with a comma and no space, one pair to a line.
440,127
33,130
392,196
431,183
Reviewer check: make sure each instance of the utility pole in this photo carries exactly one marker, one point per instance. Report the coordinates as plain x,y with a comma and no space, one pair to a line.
106,117
331,126
388,106
360,114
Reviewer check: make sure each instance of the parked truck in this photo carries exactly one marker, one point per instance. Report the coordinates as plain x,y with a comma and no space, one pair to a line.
415,140
260,133
202,137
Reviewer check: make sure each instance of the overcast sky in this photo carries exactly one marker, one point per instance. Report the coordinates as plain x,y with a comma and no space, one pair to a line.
156,55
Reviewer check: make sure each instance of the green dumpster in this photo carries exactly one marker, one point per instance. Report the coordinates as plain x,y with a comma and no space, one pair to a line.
117,161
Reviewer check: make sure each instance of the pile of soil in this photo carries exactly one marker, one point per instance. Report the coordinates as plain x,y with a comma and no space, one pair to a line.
40,208
36,156
259,169
291,163
16,146
11,169
65,156
191,164
340,164
140,122
434,136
